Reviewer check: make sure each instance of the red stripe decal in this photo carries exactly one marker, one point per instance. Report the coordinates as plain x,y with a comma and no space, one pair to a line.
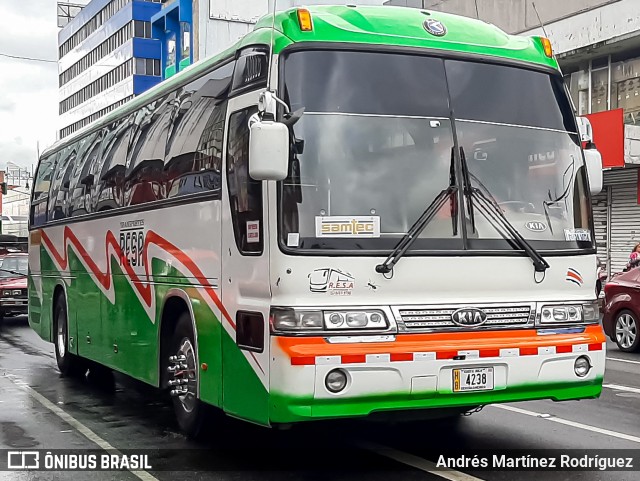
143,287
574,275
446,354
595,347
489,352
303,361
563,349
354,358
528,351
402,356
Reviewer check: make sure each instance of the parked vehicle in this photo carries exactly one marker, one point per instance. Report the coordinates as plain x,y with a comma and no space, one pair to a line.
13,285
622,310
602,276
16,225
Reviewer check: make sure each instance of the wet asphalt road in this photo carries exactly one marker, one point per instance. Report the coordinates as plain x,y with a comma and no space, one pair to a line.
39,409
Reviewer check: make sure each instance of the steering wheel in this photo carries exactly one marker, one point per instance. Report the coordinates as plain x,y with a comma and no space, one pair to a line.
516,205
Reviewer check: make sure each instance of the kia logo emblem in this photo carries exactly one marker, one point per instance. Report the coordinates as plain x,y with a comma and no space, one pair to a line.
536,226
435,27
469,317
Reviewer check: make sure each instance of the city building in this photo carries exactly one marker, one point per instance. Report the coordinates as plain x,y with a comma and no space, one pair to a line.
113,50
193,29
106,56
597,43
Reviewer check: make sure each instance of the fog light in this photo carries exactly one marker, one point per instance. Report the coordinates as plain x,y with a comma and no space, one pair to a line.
582,366
336,380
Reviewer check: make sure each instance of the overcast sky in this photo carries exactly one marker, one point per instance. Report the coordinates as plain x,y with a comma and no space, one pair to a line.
28,90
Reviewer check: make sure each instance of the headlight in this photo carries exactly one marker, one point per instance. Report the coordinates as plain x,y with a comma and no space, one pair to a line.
570,313
292,320
311,321
369,319
6,293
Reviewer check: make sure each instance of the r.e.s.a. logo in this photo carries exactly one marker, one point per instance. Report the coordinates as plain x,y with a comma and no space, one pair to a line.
348,226
132,242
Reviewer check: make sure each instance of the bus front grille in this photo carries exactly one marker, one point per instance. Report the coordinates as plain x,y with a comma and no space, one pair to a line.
441,318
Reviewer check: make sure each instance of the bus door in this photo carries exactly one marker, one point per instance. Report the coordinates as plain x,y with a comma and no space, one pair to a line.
245,273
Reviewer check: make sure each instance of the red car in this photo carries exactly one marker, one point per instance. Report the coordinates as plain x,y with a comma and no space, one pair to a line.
13,285
621,318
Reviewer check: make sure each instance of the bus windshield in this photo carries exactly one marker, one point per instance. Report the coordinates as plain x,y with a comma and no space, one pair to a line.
379,131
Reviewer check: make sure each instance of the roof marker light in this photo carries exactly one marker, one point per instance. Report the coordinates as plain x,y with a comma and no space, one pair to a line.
304,20
546,44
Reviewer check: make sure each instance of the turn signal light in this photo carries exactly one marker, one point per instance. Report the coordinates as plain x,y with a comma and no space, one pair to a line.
546,44
304,20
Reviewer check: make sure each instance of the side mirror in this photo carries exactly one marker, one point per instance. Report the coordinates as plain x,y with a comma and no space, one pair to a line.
268,150
593,162
585,129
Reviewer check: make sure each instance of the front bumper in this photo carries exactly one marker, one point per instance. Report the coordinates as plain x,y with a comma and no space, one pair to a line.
416,371
14,306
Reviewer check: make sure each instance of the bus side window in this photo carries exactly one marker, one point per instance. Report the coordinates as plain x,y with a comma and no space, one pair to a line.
109,172
245,194
41,190
82,179
60,185
145,158
193,163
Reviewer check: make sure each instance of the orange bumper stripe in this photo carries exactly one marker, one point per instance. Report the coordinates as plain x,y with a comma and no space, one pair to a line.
412,347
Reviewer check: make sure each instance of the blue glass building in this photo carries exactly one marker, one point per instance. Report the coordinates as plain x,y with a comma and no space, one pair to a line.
106,56
173,27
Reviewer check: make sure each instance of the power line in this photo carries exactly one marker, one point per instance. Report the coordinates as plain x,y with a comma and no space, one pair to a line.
18,57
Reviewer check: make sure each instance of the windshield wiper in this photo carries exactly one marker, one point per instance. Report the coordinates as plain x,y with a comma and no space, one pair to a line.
491,210
12,272
416,229
467,189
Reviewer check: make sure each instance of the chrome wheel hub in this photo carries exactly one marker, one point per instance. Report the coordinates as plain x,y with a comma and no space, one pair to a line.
626,331
184,377
60,338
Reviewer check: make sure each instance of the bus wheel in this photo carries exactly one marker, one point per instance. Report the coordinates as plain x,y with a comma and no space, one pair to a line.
183,378
68,364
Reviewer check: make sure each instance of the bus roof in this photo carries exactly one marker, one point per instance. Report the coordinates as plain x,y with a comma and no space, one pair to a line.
376,26
405,27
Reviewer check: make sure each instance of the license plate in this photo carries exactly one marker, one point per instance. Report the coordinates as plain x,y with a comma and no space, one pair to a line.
474,379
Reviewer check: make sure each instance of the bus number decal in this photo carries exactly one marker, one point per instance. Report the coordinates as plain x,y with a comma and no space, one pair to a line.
132,243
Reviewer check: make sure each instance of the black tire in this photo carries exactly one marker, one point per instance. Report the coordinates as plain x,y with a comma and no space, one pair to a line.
68,364
191,414
626,331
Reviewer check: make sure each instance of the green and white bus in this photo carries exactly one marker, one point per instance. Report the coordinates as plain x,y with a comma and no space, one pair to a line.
353,210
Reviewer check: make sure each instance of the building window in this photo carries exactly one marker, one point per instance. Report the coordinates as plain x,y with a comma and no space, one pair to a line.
108,80
68,130
101,51
147,66
599,90
185,28
91,26
141,29
579,88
